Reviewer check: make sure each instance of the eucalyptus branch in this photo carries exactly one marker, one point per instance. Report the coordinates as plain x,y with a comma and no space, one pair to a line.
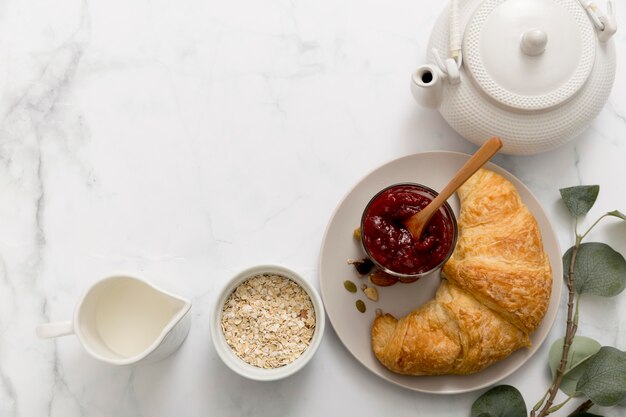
570,332
576,310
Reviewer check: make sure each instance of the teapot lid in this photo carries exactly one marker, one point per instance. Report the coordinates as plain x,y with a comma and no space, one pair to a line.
529,54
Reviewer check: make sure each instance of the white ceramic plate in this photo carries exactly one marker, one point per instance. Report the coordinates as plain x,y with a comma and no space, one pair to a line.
432,169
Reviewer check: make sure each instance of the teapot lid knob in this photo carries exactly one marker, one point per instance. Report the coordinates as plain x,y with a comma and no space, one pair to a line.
534,42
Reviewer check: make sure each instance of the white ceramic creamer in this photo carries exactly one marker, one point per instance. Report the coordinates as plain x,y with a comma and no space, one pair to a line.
123,320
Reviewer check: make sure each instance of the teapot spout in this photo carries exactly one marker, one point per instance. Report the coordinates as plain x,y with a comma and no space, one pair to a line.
427,86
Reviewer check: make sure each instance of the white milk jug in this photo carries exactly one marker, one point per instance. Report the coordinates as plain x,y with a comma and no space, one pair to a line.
123,320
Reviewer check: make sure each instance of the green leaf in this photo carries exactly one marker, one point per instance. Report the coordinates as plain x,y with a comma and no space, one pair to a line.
581,349
617,213
580,199
604,380
598,269
500,401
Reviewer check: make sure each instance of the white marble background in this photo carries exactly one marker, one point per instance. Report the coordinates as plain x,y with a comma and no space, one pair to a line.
187,140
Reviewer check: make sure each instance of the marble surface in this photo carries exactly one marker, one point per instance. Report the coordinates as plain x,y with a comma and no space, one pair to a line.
187,140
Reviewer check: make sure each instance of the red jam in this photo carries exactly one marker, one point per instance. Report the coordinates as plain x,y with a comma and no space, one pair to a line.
389,242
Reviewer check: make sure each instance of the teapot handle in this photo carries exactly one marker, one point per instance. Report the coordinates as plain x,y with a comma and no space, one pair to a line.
56,329
605,24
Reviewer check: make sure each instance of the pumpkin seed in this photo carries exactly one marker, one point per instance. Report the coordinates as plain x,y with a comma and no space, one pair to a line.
349,285
360,305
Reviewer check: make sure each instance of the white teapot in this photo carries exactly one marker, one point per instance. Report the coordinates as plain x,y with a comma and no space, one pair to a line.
533,72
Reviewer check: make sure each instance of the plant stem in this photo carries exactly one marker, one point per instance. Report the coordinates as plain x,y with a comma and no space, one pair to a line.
540,402
559,406
583,407
570,332
593,225
576,310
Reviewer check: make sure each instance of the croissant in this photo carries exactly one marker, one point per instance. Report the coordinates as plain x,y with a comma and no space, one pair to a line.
495,290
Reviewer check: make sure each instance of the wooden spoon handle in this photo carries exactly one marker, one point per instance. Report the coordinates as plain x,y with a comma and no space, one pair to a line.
480,158
418,221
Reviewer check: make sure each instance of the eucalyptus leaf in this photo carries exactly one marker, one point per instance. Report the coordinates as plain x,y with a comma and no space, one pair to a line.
500,401
598,269
580,199
617,213
604,380
581,349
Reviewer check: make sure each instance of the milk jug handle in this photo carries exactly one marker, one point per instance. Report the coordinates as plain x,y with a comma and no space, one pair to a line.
56,329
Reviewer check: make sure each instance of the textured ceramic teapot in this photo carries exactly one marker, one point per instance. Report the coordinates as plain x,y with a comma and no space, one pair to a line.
534,72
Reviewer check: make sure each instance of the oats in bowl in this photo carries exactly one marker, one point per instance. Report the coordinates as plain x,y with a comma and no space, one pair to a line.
268,321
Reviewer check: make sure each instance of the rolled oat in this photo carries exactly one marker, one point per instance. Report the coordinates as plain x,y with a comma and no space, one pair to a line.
268,321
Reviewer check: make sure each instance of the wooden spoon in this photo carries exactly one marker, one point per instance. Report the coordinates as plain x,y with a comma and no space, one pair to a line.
416,223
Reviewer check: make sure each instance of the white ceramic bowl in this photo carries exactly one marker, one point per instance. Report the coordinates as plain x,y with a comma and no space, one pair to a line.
237,364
